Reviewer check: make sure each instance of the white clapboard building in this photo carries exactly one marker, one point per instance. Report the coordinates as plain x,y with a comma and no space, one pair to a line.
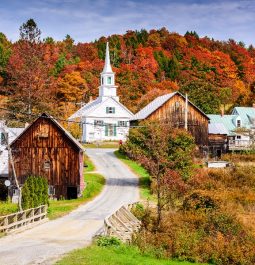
104,118
7,135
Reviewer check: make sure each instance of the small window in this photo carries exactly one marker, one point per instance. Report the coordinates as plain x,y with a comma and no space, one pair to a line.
238,137
238,123
51,190
177,104
4,138
46,165
109,80
110,109
122,124
98,122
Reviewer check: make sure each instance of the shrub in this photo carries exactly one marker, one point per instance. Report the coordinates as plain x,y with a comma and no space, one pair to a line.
106,241
34,192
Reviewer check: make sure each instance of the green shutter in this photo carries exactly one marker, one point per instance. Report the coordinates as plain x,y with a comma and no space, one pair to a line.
106,129
107,110
115,130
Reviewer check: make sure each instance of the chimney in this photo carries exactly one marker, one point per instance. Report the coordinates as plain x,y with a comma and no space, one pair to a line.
222,112
90,98
26,124
253,105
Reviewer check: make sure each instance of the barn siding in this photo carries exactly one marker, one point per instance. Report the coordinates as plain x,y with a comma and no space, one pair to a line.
45,141
197,121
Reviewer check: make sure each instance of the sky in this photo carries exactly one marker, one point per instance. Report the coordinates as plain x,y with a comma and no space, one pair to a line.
87,20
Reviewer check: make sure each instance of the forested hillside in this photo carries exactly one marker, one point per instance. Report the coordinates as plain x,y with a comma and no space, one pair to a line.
55,76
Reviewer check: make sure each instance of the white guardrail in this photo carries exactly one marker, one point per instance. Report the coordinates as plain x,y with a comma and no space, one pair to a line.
16,221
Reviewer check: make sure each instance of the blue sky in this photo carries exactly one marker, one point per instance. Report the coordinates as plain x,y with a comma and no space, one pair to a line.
87,20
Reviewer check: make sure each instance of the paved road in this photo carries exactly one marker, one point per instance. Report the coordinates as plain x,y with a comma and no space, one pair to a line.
47,242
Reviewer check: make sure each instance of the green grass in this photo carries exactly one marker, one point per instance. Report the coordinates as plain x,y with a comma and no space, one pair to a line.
8,208
89,165
112,144
144,177
121,255
94,185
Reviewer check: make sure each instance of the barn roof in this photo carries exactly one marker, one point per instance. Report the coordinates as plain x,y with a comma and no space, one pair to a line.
158,102
217,128
68,134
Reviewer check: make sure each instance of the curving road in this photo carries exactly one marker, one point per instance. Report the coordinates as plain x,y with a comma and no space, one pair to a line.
45,243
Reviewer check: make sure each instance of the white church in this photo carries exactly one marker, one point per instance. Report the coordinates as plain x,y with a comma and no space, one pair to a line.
104,118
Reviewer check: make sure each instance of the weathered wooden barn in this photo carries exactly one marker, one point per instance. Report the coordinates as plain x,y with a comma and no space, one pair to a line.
171,109
46,149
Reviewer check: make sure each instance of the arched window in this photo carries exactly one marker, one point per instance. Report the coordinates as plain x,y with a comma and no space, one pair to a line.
109,80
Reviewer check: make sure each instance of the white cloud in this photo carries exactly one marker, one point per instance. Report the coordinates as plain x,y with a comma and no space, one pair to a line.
88,20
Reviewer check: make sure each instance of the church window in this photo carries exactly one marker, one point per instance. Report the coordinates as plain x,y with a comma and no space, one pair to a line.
110,109
122,123
109,80
98,122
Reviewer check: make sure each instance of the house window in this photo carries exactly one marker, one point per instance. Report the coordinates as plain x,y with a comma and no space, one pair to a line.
122,123
110,109
4,138
98,122
238,123
238,137
109,80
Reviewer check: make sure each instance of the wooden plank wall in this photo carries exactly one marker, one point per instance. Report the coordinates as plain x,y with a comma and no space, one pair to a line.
174,114
45,145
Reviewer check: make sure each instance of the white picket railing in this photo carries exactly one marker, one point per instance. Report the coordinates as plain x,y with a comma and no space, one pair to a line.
22,219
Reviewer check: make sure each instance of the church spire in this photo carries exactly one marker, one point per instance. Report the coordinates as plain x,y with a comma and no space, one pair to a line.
107,63
107,87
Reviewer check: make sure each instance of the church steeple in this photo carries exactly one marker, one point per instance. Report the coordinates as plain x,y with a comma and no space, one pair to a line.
107,63
107,87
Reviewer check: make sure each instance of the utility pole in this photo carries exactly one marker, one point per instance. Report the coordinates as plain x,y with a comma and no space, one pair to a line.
186,113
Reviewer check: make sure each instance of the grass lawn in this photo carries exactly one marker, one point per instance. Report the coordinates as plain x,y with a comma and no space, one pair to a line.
8,208
112,144
89,166
121,255
95,183
144,177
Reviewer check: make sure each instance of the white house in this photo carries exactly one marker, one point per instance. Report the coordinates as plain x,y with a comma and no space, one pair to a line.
104,118
7,135
240,127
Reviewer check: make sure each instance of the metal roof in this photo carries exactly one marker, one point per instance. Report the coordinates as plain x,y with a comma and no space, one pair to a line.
158,102
151,107
217,128
247,115
229,121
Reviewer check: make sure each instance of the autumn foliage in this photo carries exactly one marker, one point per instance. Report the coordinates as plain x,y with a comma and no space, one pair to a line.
43,75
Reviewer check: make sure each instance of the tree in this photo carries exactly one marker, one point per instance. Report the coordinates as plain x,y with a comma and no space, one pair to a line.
166,154
29,86
30,32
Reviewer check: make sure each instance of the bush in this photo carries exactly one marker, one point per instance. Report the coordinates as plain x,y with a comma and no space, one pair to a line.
106,241
34,192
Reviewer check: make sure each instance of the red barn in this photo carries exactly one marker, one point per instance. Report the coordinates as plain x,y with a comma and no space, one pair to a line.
46,149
